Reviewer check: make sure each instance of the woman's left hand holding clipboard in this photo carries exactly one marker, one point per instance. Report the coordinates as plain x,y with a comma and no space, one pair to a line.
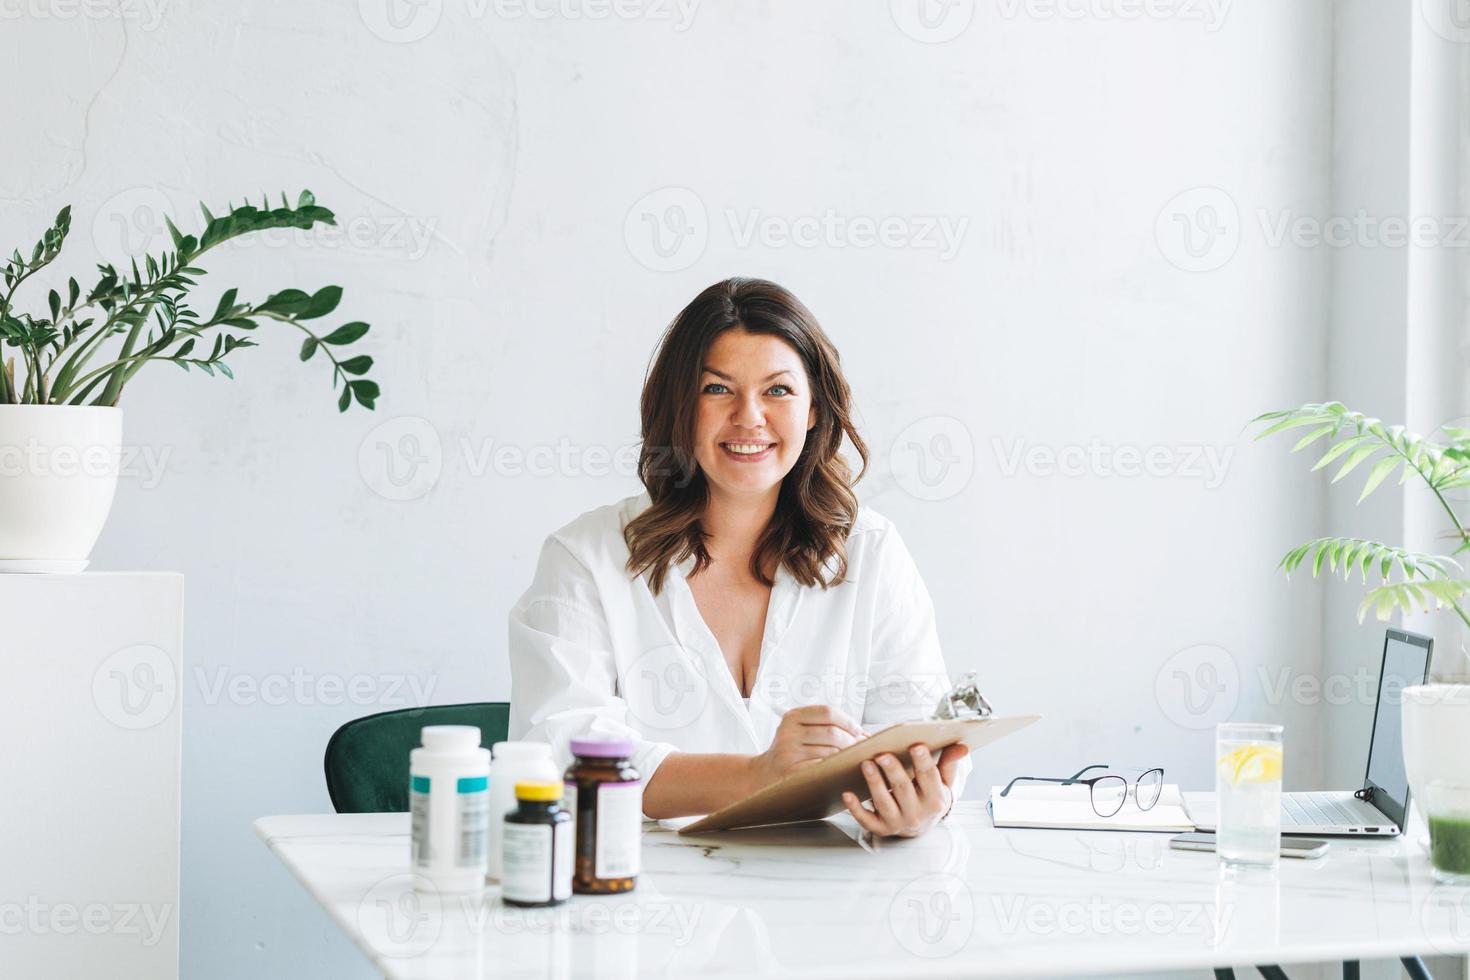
904,805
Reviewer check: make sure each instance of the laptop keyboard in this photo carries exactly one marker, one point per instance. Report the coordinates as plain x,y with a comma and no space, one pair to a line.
1327,809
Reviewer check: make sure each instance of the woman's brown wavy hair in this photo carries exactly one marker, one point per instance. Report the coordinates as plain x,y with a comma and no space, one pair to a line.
816,506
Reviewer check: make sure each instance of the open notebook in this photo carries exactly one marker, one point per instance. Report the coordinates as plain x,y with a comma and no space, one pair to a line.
1070,808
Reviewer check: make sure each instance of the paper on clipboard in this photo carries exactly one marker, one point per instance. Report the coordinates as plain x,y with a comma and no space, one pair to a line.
815,792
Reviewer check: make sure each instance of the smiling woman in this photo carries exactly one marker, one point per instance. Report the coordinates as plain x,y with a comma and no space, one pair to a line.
746,616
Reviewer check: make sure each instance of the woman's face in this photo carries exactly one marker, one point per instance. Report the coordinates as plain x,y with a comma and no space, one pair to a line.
755,407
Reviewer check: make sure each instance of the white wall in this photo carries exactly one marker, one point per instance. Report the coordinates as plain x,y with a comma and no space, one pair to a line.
1067,316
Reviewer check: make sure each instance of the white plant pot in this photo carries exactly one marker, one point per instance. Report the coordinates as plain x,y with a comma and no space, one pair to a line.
58,472
1436,736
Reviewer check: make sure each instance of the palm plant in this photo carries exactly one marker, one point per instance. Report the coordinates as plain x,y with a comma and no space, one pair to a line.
61,354
1410,581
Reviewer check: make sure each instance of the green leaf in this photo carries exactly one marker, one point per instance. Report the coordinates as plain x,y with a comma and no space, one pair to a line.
345,400
288,302
308,348
1354,458
357,365
1291,423
1313,436
226,303
1339,449
1380,470
323,302
366,392
346,333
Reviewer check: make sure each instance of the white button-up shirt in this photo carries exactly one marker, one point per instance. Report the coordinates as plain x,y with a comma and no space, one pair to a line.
594,652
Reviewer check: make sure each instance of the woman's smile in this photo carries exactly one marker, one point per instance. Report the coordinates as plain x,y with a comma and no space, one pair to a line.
748,452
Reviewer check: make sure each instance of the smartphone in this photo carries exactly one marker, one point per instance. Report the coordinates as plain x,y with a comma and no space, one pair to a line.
1292,847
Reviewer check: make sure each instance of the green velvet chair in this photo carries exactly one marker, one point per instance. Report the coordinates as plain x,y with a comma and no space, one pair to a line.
367,759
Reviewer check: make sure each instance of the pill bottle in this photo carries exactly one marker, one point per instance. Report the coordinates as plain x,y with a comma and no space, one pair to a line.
605,794
537,840
447,793
511,763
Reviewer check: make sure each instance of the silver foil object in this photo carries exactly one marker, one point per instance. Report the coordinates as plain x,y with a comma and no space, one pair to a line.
963,701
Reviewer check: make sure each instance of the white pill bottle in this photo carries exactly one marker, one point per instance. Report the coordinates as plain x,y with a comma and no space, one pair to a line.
448,794
514,762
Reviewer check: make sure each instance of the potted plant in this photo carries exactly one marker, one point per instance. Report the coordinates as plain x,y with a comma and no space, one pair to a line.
65,368
1436,716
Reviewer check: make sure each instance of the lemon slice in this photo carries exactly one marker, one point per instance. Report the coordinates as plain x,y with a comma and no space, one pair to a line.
1257,763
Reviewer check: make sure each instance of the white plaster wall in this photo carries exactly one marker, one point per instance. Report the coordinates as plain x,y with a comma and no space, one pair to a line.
497,178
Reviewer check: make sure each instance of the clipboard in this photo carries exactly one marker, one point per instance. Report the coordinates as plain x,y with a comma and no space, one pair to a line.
815,791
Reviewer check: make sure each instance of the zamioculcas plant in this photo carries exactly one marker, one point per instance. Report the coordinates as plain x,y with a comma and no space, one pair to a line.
1410,581
88,346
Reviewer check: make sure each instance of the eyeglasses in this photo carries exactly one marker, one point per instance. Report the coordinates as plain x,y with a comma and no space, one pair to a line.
1109,792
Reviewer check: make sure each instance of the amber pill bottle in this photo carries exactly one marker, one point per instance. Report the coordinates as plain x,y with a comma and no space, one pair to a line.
605,794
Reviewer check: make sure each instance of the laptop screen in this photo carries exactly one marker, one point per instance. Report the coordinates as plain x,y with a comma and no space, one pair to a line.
1405,663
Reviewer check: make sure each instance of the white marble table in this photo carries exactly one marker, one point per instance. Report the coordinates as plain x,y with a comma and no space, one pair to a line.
814,901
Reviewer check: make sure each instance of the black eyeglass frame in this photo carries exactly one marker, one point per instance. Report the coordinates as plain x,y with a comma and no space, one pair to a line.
1091,784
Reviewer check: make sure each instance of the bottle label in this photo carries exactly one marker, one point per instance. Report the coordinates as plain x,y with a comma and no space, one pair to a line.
564,851
619,829
418,805
536,861
473,802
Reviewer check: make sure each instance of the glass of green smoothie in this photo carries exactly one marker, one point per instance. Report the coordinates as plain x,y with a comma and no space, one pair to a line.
1448,808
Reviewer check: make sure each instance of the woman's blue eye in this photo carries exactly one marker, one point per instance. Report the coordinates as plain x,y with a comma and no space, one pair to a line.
783,388
711,385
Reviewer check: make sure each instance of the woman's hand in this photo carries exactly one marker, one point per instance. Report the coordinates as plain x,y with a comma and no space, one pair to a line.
805,735
904,805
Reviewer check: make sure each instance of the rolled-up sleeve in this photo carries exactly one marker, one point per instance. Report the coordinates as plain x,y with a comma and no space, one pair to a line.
564,678
906,670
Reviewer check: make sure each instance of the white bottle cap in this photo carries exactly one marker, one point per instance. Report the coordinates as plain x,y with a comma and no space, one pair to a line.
521,750
450,738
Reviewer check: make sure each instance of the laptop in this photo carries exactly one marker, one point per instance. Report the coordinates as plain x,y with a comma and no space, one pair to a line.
1378,808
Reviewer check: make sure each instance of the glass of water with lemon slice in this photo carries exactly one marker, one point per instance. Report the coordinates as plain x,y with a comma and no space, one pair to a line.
1248,795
